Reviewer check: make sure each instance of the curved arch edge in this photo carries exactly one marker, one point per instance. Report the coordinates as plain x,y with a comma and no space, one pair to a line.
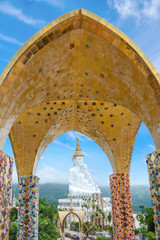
66,16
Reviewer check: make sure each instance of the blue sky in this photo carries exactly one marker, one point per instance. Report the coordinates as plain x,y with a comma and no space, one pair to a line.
139,19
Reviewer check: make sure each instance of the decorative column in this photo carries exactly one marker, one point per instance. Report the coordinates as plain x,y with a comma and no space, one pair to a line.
153,163
28,208
6,168
122,213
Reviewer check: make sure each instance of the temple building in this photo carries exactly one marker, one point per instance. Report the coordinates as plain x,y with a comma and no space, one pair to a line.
81,73
82,187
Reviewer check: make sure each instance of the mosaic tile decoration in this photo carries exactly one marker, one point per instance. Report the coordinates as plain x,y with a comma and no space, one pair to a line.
153,163
6,169
28,208
122,213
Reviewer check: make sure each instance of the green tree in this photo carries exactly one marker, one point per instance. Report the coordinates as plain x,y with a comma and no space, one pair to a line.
46,229
101,238
48,217
109,217
13,224
96,213
151,236
13,231
146,218
110,230
13,214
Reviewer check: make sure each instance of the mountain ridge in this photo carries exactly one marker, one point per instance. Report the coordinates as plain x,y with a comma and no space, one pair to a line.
54,191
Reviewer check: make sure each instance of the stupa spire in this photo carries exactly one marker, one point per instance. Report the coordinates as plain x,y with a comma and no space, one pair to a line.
78,149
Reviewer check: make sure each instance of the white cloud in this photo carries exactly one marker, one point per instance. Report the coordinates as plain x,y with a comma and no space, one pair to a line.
63,144
151,9
82,137
55,3
10,39
147,9
152,147
125,8
48,174
7,8
71,135
70,147
87,138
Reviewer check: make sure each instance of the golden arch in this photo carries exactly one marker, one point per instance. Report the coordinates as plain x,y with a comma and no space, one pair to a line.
64,214
78,73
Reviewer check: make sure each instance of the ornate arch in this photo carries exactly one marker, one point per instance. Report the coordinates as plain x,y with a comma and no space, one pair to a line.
82,60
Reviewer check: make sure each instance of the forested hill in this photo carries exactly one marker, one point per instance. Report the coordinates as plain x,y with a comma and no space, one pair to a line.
53,191
140,196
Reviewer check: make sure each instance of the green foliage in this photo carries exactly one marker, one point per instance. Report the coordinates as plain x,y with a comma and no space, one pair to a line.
137,231
53,191
13,231
46,229
109,217
48,216
76,224
151,236
110,229
146,218
47,209
100,238
13,224
147,223
13,214
142,230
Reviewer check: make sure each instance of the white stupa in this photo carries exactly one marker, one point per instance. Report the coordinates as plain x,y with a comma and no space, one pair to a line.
80,180
14,202
82,186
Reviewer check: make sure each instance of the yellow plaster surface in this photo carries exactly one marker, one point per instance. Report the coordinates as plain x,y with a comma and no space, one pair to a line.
112,126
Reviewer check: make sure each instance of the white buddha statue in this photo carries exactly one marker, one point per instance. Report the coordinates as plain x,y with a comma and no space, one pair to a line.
80,180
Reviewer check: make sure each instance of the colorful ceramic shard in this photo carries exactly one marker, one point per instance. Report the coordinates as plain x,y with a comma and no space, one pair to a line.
6,168
28,208
121,207
153,163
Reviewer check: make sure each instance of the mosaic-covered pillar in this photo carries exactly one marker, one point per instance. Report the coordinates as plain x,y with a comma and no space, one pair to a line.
6,168
28,208
122,213
153,163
